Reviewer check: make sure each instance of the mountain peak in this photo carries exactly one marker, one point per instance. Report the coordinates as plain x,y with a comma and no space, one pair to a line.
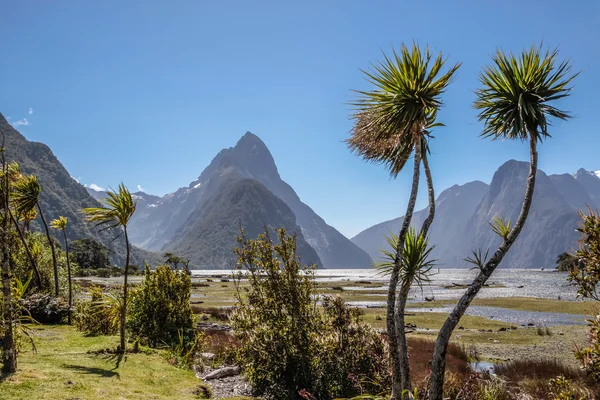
582,171
250,142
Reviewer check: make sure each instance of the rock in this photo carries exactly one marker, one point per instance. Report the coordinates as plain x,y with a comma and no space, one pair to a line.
207,356
378,318
561,333
211,326
461,327
503,329
496,341
223,373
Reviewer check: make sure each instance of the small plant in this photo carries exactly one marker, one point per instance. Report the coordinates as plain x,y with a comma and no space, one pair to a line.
181,354
500,227
562,389
100,315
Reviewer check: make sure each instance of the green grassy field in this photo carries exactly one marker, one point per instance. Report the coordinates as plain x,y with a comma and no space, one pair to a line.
64,368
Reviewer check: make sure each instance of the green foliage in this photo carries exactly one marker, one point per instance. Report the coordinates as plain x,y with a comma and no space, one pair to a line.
567,262
100,315
590,356
287,344
89,253
478,258
562,389
414,260
160,312
181,353
588,277
41,252
175,261
402,108
117,210
516,92
500,227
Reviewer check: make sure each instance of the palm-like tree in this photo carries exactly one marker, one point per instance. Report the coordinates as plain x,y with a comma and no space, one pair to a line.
514,102
61,224
117,211
393,122
27,192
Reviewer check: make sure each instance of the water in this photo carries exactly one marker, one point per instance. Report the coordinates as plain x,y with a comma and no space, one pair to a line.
516,282
517,317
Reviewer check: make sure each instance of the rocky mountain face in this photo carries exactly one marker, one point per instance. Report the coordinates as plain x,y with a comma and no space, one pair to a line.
165,223
463,214
61,194
454,208
590,180
210,235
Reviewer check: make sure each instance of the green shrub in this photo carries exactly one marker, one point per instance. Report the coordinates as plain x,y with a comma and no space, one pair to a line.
287,345
100,315
159,309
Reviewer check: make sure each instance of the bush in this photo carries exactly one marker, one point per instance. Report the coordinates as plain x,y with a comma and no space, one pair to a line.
100,315
287,345
45,308
160,308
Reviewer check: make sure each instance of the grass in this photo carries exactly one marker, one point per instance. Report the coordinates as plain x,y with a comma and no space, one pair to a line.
63,368
522,303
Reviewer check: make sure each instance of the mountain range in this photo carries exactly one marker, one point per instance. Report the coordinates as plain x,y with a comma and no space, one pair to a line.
63,195
241,187
463,214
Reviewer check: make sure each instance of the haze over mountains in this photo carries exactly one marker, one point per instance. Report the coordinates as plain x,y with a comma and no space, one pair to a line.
463,214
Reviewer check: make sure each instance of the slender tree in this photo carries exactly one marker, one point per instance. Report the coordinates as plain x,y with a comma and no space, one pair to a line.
27,196
393,122
23,212
61,224
117,211
9,353
515,103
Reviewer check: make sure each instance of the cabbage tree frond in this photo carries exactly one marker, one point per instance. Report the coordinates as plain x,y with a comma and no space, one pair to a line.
516,92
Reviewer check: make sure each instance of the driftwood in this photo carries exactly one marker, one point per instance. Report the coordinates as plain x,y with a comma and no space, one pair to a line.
223,373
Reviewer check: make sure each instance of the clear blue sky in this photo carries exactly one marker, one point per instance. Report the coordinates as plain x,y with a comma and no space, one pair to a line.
149,91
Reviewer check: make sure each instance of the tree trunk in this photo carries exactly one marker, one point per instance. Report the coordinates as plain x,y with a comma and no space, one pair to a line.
430,195
400,369
124,310
54,264
68,277
438,363
9,355
405,289
38,277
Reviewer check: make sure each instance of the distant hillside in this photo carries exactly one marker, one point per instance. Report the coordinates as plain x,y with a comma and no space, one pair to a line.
160,226
210,236
61,194
463,214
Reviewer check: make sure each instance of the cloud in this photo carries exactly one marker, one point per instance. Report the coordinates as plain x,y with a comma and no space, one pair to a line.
95,187
21,122
140,188
30,111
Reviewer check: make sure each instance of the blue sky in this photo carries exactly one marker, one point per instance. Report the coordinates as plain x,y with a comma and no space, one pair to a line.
147,92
